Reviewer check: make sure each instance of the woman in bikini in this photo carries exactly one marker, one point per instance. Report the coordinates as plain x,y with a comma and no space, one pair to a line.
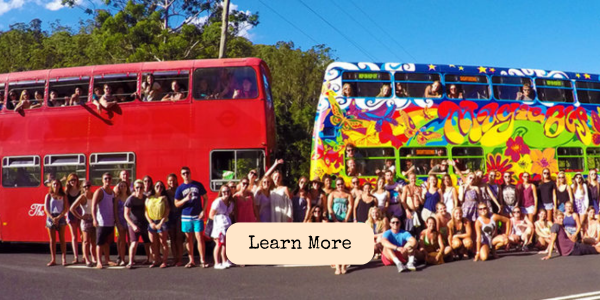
564,193
460,233
432,244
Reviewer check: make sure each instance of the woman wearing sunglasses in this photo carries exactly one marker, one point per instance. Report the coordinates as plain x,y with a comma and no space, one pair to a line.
564,193
157,214
488,240
245,210
135,214
528,193
547,193
83,204
469,195
580,195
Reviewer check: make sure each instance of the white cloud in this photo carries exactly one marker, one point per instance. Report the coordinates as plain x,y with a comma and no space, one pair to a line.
57,4
12,4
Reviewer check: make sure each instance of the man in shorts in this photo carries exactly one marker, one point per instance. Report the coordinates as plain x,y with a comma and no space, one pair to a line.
564,245
398,247
191,198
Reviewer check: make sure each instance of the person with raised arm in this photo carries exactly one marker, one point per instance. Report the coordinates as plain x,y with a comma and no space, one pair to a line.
488,195
104,211
135,214
191,197
83,204
411,200
488,240
56,208
564,243
281,200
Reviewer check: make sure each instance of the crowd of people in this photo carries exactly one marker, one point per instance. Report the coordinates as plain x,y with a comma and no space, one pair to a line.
433,223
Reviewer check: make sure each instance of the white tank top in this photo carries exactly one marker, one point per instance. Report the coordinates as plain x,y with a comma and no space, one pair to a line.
449,200
380,199
87,207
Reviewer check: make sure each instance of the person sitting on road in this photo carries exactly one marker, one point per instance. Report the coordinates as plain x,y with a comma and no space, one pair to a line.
521,233
398,247
432,244
379,223
590,229
460,233
564,244
487,238
542,231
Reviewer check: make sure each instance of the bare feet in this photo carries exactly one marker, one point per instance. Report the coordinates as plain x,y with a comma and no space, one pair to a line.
99,265
51,263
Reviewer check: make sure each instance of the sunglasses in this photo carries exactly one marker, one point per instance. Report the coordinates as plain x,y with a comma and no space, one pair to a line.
185,173
107,178
244,183
252,173
138,187
546,173
483,208
87,186
395,222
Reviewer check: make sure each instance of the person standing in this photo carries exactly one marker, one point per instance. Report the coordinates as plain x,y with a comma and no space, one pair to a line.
104,210
220,213
245,210
157,215
87,227
174,223
135,209
191,197
72,191
548,193
281,203
55,208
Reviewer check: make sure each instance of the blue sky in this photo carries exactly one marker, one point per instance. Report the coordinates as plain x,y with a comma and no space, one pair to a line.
550,34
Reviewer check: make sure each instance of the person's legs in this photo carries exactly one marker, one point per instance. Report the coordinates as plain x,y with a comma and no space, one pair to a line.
85,247
484,252
190,248
93,235
201,251
154,245
132,249
52,236
217,253
74,229
176,244
63,244
549,214
122,244
165,247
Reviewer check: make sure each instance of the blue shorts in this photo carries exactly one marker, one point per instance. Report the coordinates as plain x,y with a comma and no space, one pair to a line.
163,228
549,206
193,225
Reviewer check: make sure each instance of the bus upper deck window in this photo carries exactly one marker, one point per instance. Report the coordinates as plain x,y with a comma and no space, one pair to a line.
165,86
468,87
588,92
554,90
513,88
225,83
418,85
121,87
26,94
68,91
366,84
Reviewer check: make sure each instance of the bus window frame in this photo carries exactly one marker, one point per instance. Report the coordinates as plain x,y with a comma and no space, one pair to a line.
102,76
531,84
462,157
415,157
576,90
364,158
538,87
38,165
57,79
114,178
79,156
256,82
28,82
144,73
594,157
353,83
404,82
582,157
446,85
225,181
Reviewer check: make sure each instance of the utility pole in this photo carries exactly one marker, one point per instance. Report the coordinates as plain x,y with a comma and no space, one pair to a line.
224,25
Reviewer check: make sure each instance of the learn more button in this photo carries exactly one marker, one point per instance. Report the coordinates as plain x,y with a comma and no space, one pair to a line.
299,243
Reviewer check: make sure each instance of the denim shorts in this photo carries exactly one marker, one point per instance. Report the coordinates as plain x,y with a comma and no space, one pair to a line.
163,228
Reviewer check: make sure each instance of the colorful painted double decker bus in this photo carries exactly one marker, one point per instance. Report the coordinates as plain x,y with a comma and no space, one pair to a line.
414,116
215,116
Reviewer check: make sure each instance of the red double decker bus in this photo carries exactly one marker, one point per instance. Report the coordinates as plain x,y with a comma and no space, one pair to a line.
221,126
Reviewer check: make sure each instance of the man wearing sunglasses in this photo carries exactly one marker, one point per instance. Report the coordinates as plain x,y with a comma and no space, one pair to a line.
191,197
564,245
398,247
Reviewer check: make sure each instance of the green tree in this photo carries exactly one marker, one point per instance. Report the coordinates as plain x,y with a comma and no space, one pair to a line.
296,87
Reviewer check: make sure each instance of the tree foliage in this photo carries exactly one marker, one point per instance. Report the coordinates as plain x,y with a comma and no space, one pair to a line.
136,32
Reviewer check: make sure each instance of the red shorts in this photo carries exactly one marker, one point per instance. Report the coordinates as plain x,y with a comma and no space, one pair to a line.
387,262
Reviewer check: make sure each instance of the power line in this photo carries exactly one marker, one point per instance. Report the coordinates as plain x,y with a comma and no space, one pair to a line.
390,35
338,31
373,35
287,21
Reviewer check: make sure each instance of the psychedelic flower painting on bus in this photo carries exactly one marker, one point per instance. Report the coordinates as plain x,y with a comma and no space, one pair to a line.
515,136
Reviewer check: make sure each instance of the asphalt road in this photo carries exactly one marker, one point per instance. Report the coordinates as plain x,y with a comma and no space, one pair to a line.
24,275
